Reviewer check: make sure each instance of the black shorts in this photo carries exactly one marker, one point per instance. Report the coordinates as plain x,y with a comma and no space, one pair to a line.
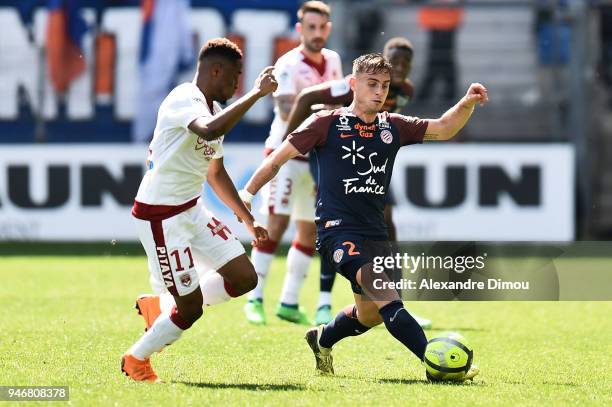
348,253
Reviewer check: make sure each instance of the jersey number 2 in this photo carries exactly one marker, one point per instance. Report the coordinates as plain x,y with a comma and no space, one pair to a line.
351,250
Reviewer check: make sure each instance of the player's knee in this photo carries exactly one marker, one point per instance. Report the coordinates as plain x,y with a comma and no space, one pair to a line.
277,226
196,314
250,280
369,318
191,313
247,281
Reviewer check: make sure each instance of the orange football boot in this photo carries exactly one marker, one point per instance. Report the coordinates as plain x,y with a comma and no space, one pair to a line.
139,370
148,306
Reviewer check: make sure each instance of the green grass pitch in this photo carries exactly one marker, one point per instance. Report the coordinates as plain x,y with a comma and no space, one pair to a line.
66,321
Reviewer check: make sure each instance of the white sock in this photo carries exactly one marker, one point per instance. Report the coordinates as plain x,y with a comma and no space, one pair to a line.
298,264
166,303
162,333
213,289
261,261
324,298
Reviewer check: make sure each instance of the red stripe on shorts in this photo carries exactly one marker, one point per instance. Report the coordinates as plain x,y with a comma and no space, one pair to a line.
163,257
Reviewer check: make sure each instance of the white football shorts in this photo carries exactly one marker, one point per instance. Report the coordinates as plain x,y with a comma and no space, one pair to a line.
184,247
291,192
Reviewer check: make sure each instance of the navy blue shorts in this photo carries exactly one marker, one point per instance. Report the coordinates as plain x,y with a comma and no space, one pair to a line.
348,254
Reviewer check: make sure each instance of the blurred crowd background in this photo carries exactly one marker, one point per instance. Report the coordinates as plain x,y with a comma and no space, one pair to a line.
95,71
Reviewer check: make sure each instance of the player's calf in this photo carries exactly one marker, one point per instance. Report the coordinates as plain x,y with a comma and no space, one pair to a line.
345,324
404,327
188,309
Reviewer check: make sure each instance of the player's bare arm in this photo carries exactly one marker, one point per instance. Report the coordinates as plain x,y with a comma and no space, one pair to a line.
447,126
317,94
267,170
221,183
211,128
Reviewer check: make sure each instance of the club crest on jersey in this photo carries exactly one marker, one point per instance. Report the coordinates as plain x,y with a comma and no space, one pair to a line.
344,124
386,136
186,280
338,255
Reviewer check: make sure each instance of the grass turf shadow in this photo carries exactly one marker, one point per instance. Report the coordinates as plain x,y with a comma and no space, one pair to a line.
427,382
247,386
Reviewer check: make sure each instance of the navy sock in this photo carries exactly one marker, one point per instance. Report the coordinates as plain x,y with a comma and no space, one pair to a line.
345,324
404,328
328,275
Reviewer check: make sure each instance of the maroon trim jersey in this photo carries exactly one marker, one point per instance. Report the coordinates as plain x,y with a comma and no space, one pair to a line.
355,161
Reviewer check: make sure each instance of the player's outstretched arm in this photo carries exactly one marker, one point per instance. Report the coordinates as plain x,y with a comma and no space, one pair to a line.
312,95
221,183
267,170
210,128
457,116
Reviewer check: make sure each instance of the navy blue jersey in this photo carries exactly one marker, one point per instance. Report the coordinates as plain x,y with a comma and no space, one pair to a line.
355,161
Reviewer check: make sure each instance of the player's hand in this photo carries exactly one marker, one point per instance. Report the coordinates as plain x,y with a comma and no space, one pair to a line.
266,82
259,233
477,93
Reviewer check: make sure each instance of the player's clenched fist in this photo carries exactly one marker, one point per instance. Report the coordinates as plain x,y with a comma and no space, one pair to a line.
259,233
266,82
476,93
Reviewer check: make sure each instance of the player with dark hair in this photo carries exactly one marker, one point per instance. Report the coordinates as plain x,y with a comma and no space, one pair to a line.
356,148
181,237
399,52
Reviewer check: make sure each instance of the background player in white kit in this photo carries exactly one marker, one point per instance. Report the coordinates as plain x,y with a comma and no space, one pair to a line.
291,193
179,235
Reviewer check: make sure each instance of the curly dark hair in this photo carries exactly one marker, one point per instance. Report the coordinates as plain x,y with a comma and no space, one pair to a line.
221,47
371,63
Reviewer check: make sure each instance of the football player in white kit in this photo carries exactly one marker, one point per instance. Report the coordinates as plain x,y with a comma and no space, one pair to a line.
291,194
179,235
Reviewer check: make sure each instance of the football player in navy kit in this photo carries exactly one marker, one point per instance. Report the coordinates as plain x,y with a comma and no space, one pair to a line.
399,51
356,147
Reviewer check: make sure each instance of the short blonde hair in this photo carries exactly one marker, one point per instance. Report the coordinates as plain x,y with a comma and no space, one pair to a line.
371,63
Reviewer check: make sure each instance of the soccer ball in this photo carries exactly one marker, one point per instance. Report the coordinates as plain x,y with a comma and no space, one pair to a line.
448,356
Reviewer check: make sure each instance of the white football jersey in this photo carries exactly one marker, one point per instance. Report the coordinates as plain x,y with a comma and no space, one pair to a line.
178,158
294,72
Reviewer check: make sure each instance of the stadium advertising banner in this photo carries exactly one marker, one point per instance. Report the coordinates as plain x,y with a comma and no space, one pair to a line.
132,53
481,192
